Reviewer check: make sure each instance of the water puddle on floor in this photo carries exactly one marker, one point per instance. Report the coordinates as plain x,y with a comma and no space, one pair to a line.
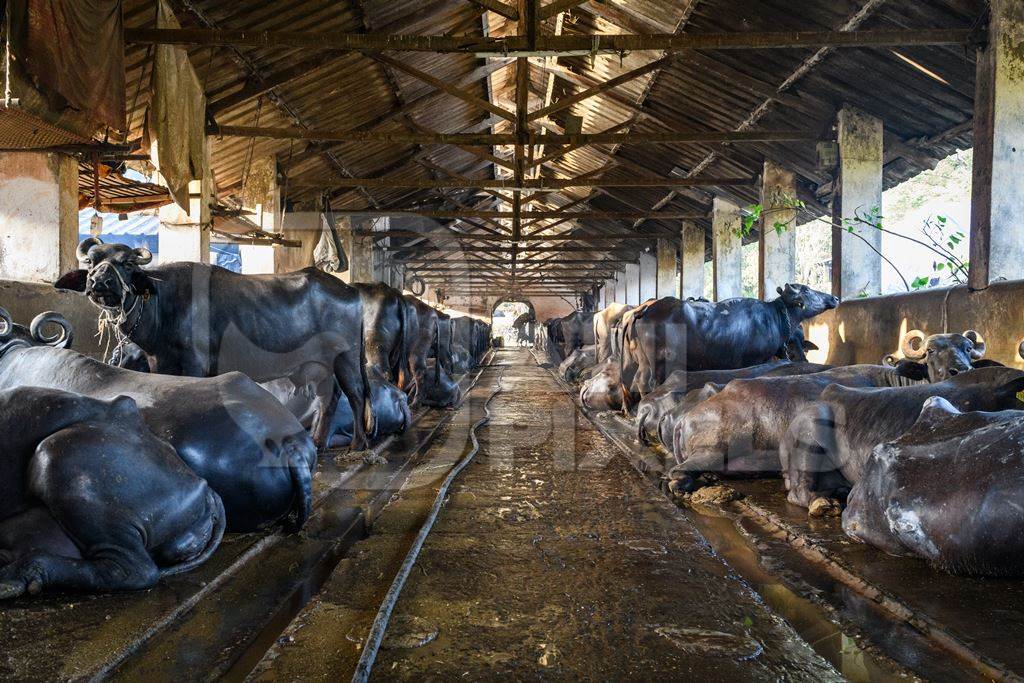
856,663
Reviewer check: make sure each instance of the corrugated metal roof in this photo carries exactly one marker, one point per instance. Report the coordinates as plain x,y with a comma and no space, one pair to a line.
926,117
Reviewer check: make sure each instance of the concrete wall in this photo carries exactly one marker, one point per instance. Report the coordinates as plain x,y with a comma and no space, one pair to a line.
26,300
865,330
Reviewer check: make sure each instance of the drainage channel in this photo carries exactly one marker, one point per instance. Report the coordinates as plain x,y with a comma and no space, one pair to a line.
858,639
226,633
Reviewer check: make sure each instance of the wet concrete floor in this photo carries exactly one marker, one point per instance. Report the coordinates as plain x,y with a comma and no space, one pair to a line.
552,559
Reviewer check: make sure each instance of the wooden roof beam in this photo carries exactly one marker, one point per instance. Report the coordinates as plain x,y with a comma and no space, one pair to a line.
498,7
600,88
519,46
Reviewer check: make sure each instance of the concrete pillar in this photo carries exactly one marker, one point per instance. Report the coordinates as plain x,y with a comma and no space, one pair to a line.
621,295
648,277
727,250
856,267
631,281
185,235
691,261
777,264
359,249
668,269
997,233
38,216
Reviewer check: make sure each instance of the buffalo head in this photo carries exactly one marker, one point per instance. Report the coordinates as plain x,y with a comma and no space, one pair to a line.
110,273
945,355
804,302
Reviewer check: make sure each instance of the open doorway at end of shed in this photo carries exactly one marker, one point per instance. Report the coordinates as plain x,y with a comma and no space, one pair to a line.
513,320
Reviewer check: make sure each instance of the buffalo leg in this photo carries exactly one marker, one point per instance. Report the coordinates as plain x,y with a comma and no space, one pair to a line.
117,559
351,376
808,457
326,403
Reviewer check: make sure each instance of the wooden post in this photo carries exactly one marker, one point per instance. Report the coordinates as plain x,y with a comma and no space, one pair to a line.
997,201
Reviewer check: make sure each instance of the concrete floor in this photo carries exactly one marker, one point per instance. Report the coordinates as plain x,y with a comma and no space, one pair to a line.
552,559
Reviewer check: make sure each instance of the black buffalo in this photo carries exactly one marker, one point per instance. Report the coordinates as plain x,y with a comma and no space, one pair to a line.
668,334
198,320
940,356
227,429
387,336
739,427
948,491
664,406
829,442
90,500
434,386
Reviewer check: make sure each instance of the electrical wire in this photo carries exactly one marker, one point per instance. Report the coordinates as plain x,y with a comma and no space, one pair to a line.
380,622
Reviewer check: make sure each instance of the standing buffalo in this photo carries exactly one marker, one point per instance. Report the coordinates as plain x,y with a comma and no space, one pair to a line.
387,337
227,429
668,334
948,490
830,442
435,387
199,320
606,329
91,500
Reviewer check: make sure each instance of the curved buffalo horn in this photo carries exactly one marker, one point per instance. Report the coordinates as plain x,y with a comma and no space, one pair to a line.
6,322
87,244
60,340
978,352
908,348
1020,350
143,256
890,361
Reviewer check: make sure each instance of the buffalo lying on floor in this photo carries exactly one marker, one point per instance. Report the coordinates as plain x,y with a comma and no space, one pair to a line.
943,355
948,490
740,427
227,429
668,334
198,320
829,442
603,391
669,399
580,360
90,500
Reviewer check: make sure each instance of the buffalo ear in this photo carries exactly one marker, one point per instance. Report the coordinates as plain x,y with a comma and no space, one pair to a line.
810,346
141,284
1013,389
912,370
73,281
779,290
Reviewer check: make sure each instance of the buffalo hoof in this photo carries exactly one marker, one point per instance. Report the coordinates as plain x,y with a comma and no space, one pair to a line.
11,589
681,483
824,507
375,460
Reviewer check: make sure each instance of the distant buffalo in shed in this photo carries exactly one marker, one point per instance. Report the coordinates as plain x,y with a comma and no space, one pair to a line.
668,334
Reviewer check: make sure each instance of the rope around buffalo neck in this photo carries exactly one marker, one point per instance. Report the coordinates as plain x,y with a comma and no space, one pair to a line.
380,622
110,326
